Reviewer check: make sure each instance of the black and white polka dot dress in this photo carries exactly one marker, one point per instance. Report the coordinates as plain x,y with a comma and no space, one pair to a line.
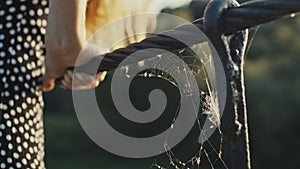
22,29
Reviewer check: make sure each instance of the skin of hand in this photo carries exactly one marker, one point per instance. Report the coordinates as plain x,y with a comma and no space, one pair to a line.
81,81
65,39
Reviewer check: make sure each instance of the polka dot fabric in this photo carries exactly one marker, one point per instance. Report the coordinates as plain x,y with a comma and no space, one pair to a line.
22,29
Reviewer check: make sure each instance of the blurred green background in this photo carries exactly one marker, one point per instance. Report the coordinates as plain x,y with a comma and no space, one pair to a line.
272,86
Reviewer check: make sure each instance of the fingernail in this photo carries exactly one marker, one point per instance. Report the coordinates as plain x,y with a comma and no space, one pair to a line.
64,84
67,78
70,73
97,83
78,75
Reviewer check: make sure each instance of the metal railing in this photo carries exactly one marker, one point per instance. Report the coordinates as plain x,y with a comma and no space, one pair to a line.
221,18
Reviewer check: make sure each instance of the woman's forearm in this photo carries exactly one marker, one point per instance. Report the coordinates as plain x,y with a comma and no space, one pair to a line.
66,27
65,37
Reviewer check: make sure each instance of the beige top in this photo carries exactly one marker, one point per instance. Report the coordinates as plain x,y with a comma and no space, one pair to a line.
108,17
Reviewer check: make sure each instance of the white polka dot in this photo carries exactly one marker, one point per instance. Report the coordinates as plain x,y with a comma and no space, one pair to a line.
20,149
28,66
23,94
32,22
30,121
16,70
46,11
25,30
22,120
8,137
2,37
33,43
9,17
11,103
12,32
28,156
25,145
28,77
8,25
19,110
34,30
24,21
2,12
13,112
31,150
9,160
39,22
8,2
12,9
19,165
43,31
3,153
24,161
19,47
24,105
12,41
14,130
18,140
21,129
6,116
23,8
44,3
40,12
36,162
16,88
4,79
8,71
26,57
8,123
32,165
26,85
6,93
16,155
31,12
19,16
2,54
44,22
6,86
32,140
2,126
11,51
4,107
3,165
17,97
23,69
26,136
10,146
16,121
27,115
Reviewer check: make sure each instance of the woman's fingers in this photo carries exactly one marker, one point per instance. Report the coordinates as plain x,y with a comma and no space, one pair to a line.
101,76
82,81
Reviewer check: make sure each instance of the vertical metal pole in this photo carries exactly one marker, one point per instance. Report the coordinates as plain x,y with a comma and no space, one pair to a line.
231,50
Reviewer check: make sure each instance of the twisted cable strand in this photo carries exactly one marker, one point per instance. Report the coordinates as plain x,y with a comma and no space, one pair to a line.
254,13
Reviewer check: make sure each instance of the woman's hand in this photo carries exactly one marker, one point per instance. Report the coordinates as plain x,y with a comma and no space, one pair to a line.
65,38
81,81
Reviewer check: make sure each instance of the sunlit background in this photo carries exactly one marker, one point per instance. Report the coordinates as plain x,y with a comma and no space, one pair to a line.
272,86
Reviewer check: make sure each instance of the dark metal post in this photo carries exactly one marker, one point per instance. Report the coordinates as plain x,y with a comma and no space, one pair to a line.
231,49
